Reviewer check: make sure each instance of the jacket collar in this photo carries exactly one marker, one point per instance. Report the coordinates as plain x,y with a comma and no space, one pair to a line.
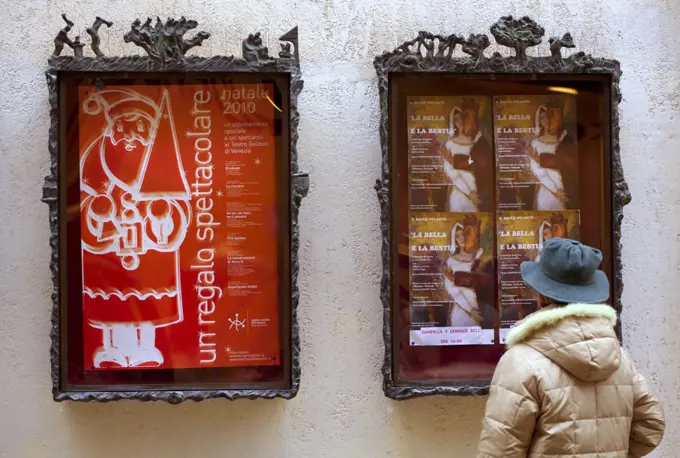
552,315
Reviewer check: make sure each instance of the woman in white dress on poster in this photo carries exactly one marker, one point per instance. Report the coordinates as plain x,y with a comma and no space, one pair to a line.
544,234
550,191
464,309
464,196
554,228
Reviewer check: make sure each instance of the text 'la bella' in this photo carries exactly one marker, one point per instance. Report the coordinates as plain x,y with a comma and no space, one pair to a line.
516,234
428,235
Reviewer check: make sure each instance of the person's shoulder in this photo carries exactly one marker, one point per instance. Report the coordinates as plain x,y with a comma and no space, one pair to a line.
521,365
522,351
627,367
522,357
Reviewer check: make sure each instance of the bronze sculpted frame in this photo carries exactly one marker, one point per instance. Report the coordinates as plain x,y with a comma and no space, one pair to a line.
166,47
430,54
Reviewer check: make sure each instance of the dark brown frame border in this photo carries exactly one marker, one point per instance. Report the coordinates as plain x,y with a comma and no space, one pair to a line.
434,53
166,48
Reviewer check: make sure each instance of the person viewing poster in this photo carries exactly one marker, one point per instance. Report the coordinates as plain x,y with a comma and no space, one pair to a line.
452,279
536,152
521,237
450,154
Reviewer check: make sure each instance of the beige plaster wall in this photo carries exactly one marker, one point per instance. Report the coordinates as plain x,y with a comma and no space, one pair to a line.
340,411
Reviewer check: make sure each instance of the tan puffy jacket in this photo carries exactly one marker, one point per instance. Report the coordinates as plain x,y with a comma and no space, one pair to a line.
566,389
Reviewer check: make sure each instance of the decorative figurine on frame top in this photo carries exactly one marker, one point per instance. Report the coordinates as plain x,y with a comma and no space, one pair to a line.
165,42
62,38
94,33
434,52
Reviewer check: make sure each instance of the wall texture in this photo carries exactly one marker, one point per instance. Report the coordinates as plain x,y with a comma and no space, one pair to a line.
340,411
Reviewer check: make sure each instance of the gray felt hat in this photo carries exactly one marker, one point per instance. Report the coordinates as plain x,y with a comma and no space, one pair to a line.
568,272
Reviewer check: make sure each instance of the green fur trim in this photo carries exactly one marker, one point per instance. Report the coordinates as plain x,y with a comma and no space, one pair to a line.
539,320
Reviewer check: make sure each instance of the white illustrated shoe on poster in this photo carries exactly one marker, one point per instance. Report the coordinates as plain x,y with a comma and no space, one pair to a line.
109,358
146,354
146,357
109,355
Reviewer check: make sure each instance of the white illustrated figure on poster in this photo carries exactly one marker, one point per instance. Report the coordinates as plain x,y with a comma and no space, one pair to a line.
465,309
550,192
135,213
464,196
555,227
544,234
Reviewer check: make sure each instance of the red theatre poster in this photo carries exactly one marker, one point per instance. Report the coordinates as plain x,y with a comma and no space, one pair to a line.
179,229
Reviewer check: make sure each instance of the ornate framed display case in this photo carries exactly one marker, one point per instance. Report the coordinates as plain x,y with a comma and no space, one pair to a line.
173,199
485,156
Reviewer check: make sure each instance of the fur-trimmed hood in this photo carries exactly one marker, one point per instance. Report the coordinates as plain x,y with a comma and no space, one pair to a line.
566,388
580,338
